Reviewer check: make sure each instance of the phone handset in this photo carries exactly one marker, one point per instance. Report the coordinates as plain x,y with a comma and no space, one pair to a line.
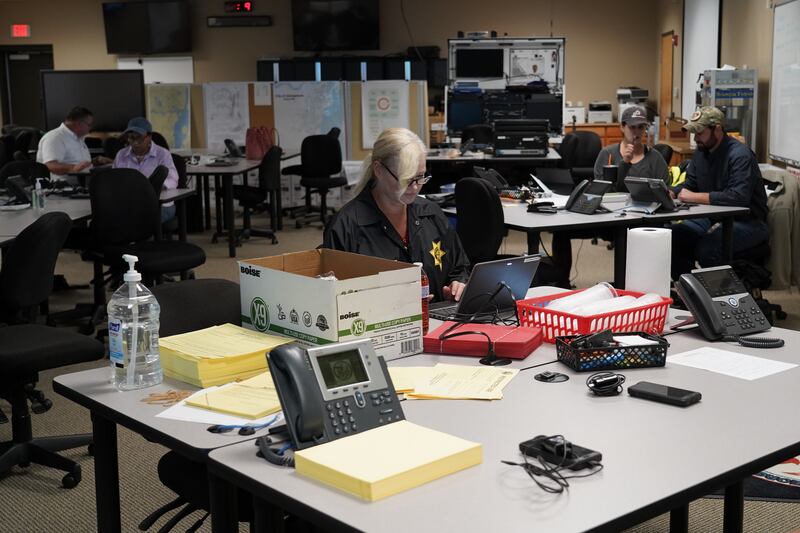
701,306
576,193
233,150
298,392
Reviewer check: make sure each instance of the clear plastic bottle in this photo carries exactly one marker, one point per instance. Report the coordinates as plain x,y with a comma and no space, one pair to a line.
133,314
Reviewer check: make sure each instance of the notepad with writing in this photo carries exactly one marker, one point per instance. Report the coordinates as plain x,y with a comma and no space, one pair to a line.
387,460
252,398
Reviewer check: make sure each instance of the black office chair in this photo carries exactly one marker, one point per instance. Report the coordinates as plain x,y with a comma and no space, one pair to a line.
188,306
7,150
26,281
267,191
320,160
665,150
26,141
112,145
30,170
170,227
478,134
579,152
750,266
126,219
157,178
480,219
159,139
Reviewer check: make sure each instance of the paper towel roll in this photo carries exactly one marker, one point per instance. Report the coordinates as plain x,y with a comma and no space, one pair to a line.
601,291
648,260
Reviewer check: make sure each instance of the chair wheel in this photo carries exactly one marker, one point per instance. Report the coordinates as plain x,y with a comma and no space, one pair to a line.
71,480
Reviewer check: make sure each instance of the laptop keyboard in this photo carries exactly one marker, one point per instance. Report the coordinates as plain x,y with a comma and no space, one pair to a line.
443,313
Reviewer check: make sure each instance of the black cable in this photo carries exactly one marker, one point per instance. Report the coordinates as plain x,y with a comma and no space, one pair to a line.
605,383
408,29
540,364
756,342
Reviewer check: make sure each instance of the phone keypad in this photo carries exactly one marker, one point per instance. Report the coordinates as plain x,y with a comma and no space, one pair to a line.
744,317
345,418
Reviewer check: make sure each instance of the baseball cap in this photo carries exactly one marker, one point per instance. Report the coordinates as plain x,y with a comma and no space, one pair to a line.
703,118
139,125
634,115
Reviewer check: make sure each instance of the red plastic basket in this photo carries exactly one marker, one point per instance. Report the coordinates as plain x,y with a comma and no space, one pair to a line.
649,318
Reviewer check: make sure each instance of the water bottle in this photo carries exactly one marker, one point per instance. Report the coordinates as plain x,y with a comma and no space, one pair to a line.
133,333
425,291
37,196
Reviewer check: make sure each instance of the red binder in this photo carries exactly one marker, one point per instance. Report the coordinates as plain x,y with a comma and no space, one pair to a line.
509,341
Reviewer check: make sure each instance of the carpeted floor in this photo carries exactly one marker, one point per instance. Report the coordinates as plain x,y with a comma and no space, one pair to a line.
33,500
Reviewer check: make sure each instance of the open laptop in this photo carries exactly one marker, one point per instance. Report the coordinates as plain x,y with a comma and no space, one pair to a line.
648,195
485,295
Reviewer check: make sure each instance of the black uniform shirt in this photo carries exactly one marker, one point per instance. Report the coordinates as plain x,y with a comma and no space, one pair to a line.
361,227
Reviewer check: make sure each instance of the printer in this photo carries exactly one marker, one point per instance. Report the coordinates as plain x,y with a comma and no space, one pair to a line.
521,137
630,96
600,111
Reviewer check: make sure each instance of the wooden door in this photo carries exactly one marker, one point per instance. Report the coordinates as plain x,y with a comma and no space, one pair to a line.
665,93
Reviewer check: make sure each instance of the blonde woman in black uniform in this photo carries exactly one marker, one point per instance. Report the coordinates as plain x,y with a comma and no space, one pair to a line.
388,219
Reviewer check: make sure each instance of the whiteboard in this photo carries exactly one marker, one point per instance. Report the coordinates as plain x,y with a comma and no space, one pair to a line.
700,47
784,101
160,69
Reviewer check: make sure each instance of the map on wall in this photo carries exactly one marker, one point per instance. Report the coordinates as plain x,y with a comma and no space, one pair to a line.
384,104
307,108
169,110
227,113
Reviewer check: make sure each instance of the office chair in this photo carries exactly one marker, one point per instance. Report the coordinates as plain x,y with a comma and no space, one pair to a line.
30,170
26,280
126,220
93,143
320,160
7,151
188,306
579,152
159,139
157,178
26,140
112,145
478,134
665,150
480,219
170,227
267,191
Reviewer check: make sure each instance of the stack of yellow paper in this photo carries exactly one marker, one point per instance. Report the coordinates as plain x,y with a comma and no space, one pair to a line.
452,382
216,355
387,460
252,398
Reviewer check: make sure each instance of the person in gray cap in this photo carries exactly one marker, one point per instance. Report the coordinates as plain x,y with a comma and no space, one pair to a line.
144,155
723,171
632,157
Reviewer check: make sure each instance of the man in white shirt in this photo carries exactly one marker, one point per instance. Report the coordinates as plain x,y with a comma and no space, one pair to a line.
63,149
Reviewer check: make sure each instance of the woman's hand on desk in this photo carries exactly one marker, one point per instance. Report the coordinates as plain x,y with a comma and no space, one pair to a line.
453,291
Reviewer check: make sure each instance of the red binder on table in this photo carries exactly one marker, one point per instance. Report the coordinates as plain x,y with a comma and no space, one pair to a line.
512,342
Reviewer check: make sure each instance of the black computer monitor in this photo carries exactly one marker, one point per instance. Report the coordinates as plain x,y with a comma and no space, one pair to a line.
546,106
479,63
463,113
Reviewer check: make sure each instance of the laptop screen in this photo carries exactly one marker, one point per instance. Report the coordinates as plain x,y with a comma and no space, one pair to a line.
495,286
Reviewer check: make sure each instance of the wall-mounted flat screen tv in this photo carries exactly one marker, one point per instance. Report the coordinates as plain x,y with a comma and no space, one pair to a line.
320,25
147,27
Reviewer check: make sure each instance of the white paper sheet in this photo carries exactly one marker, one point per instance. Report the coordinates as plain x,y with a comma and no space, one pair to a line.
384,104
732,364
262,93
227,113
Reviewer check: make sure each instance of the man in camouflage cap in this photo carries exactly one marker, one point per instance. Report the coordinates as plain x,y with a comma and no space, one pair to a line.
723,171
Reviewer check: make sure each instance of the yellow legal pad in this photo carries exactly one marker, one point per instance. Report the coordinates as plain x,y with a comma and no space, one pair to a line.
215,355
387,460
253,398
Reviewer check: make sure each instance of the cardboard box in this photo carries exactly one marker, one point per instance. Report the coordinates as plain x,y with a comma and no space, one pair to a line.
370,296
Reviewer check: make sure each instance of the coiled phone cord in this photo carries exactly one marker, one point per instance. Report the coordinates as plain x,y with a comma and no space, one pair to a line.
756,342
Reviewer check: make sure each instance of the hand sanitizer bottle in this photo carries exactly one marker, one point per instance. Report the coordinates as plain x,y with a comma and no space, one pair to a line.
133,333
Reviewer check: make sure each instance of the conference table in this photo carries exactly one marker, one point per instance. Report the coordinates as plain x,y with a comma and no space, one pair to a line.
223,175
79,209
517,217
657,458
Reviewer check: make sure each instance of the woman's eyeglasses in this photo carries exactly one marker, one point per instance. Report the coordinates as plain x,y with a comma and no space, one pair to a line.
420,180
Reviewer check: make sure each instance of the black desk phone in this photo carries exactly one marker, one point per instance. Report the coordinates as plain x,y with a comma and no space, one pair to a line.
329,392
233,150
587,196
720,303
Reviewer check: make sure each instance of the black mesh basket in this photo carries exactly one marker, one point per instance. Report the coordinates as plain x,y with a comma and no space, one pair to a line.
612,357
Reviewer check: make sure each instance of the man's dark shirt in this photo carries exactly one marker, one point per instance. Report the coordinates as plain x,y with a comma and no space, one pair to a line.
731,175
361,227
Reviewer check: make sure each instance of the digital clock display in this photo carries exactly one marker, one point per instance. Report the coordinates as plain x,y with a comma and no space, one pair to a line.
238,7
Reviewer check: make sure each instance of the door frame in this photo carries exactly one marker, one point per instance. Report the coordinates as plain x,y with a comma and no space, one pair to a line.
665,116
5,49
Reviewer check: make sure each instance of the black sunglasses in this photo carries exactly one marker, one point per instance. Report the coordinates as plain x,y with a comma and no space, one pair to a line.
419,180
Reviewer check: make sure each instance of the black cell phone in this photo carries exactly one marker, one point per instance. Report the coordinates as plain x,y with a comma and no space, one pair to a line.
664,394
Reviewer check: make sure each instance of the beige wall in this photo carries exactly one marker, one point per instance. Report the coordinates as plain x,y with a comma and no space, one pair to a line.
599,56
747,42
